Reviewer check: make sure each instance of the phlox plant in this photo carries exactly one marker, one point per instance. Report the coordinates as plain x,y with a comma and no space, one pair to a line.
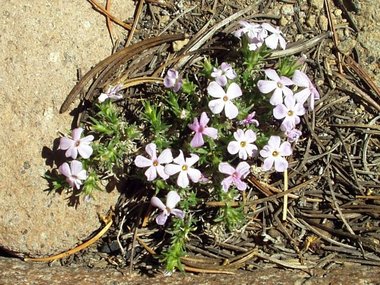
198,139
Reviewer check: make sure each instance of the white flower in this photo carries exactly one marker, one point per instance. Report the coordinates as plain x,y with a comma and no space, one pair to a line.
223,73
277,84
75,144
290,112
172,200
309,92
154,163
243,144
224,99
275,38
183,166
112,93
74,173
274,153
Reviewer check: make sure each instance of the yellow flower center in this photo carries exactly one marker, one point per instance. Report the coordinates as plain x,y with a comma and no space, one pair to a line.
275,153
243,143
155,163
184,167
225,98
279,85
77,143
290,113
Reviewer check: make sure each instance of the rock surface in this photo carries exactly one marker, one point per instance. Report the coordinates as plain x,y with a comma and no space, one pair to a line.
42,44
17,272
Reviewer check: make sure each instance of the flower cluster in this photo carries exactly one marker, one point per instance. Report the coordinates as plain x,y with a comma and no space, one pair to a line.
258,34
202,136
289,105
289,96
75,145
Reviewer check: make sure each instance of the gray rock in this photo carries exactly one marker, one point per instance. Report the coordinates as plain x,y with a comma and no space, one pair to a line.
42,44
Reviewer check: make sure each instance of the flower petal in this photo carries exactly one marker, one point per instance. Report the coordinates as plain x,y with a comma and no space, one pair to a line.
233,91
161,172
183,180
192,160
194,174
216,106
162,218
85,151
226,183
272,74
178,213
65,170
204,119
151,173
156,202
300,79
165,156
151,149
274,142
76,167
280,164
180,159
141,161
268,163
231,110
76,133
243,169
266,86
72,152
285,149
171,169
215,90
172,199
211,132
276,97
280,111
66,143
233,147
87,139
226,168
197,140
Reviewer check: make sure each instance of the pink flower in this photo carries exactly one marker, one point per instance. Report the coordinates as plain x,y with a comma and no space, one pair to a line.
290,112
112,93
224,100
293,135
74,173
221,74
276,84
183,166
250,120
309,92
243,144
76,144
172,200
173,80
235,175
154,163
200,128
273,152
275,38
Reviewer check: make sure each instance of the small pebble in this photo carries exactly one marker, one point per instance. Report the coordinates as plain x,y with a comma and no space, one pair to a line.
338,12
317,4
283,21
311,21
287,10
323,23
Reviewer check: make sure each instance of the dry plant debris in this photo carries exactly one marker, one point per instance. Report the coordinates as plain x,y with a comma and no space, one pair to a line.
333,182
